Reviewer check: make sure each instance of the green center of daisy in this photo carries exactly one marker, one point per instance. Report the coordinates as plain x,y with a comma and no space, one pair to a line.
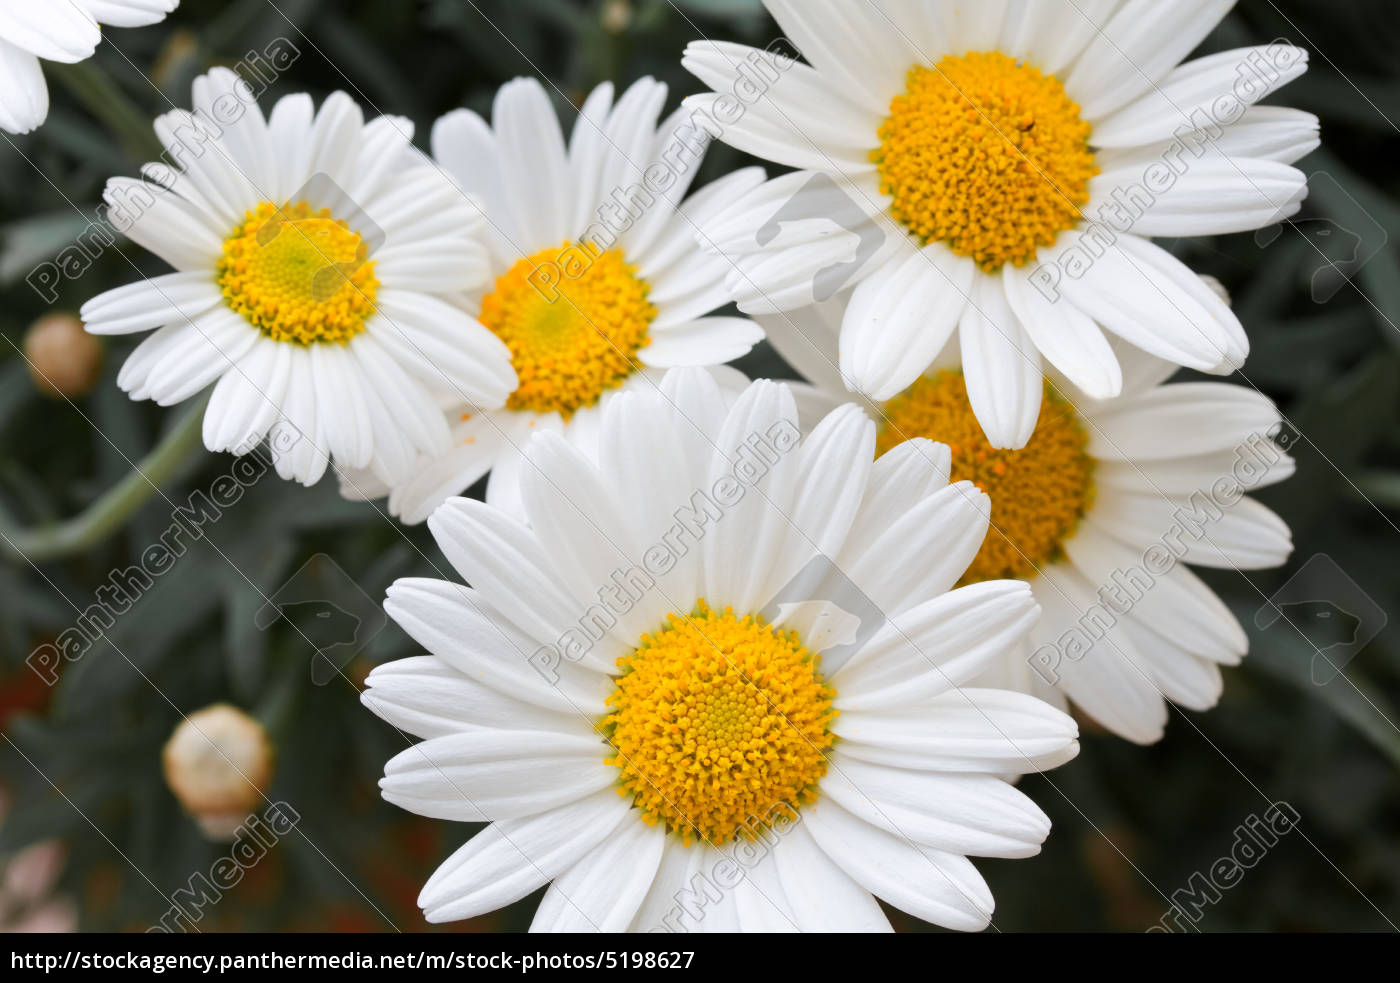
987,155
574,319
719,724
1038,493
298,274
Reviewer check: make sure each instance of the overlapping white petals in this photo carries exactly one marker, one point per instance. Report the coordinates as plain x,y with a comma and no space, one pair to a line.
1182,149
522,662
1126,624
618,182
367,406
63,32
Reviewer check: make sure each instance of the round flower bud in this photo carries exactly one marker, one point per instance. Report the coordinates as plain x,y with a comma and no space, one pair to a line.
64,360
616,16
218,762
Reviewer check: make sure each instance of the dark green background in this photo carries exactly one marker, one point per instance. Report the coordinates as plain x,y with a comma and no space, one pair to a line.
1131,824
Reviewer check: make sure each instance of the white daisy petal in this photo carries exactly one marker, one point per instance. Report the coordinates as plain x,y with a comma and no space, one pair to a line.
26,102
428,698
901,316
334,136
587,898
590,542
1187,680
1272,133
1190,93
1143,298
129,13
976,815
148,304
1136,48
1068,338
157,220
899,565
936,646
799,120
824,898
495,774
291,117
245,401
1175,604
901,477
1001,365
704,341
1180,420
850,48
517,577
1110,681
834,463
528,133
1235,535
475,443
459,626
60,32
982,730
508,860
210,345
754,525
1216,195
1054,32
939,887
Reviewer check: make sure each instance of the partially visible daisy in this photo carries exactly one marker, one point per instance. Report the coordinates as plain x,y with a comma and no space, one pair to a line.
1101,512
55,30
995,172
313,251
597,284
638,709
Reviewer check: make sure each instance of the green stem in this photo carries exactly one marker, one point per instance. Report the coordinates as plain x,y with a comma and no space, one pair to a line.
278,708
110,512
96,90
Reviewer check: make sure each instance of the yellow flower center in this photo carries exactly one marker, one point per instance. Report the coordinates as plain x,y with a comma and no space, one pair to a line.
298,275
987,155
573,318
720,725
1039,493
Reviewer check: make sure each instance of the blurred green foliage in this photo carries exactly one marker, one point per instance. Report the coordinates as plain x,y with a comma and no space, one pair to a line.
1132,825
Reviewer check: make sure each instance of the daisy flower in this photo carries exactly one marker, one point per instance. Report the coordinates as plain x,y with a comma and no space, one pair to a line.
995,171
655,683
312,250
1101,512
596,282
59,30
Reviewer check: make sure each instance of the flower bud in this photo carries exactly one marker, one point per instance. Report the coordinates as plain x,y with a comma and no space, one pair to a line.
218,762
616,16
64,360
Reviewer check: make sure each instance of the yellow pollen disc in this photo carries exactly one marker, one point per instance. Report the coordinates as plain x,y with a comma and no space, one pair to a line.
720,725
986,155
1039,493
573,319
298,275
